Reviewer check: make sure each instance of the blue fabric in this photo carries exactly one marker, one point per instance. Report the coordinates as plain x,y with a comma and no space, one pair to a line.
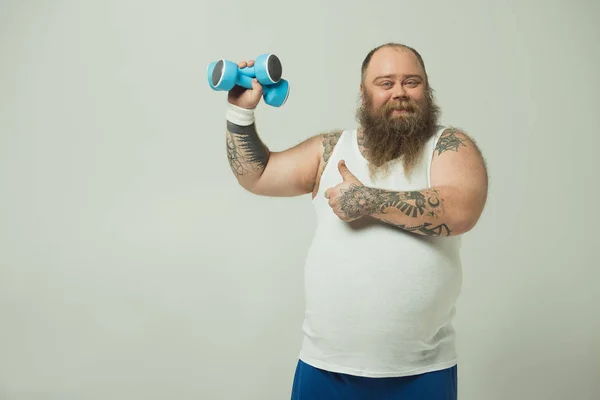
312,383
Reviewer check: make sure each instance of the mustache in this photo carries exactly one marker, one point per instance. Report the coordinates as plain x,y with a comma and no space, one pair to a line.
400,106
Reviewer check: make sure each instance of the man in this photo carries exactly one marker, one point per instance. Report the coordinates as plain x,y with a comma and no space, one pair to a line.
392,199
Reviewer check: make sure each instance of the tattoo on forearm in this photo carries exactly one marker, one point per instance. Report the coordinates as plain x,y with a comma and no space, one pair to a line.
233,156
449,141
425,229
414,203
361,200
245,151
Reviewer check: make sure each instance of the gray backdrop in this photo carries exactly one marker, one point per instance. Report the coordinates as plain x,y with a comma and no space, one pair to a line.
133,266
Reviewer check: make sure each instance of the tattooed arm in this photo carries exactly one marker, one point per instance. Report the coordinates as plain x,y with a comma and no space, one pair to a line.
418,211
292,172
259,170
247,154
452,205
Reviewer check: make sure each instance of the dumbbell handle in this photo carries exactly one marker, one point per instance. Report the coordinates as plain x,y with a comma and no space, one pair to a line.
248,71
246,76
245,81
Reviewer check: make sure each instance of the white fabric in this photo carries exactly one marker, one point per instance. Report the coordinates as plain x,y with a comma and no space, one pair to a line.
379,301
238,115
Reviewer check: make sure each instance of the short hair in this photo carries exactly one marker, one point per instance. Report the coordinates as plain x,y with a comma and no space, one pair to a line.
367,59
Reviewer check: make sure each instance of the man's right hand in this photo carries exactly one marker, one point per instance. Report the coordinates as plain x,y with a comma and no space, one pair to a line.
246,98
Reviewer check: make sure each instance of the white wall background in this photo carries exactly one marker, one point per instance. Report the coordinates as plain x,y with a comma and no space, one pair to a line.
132,265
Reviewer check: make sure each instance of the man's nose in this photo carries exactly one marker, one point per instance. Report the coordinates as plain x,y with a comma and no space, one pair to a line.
400,93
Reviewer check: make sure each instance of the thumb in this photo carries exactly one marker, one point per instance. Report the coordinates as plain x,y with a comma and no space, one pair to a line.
256,86
344,171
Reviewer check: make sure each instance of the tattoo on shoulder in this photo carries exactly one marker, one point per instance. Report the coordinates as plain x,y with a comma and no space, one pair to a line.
449,141
330,139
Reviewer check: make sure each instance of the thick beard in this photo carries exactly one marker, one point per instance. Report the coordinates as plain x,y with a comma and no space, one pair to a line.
390,138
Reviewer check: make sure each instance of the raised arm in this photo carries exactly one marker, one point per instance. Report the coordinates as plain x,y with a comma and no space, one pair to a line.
292,172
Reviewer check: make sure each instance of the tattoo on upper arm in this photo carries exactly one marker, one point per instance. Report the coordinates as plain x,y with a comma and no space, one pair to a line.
449,141
330,139
245,151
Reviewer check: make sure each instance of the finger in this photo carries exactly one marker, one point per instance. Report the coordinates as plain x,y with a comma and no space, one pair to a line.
251,63
344,171
242,64
237,90
257,87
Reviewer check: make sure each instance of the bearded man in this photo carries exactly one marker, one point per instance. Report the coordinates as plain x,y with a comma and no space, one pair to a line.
392,199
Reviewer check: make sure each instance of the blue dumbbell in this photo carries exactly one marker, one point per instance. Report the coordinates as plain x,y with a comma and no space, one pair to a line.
223,75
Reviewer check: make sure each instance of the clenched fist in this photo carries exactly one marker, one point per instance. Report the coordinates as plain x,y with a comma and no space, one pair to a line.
246,98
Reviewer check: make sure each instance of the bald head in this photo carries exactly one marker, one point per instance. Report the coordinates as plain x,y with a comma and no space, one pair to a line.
393,53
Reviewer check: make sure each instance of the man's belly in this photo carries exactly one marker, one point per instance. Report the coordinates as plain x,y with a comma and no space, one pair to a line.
400,292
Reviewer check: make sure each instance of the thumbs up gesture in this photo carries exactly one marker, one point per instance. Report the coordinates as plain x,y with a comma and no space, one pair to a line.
350,199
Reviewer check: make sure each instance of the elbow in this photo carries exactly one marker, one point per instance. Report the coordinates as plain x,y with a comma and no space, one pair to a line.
245,184
250,188
464,211
463,221
460,227
255,187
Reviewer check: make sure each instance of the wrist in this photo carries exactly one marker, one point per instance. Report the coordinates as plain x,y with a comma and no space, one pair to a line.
238,115
373,201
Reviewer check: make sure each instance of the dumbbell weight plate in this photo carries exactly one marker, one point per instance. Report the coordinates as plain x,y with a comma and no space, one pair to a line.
268,69
209,75
277,94
224,75
274,68
217,73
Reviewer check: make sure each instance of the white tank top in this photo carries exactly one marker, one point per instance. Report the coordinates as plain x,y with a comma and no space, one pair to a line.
379,301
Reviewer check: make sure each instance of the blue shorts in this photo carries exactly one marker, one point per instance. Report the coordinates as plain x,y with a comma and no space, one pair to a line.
312,383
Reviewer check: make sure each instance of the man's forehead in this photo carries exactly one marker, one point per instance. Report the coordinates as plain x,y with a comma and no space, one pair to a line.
397,62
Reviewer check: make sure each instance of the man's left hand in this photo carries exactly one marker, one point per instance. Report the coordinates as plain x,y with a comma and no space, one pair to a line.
350,199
